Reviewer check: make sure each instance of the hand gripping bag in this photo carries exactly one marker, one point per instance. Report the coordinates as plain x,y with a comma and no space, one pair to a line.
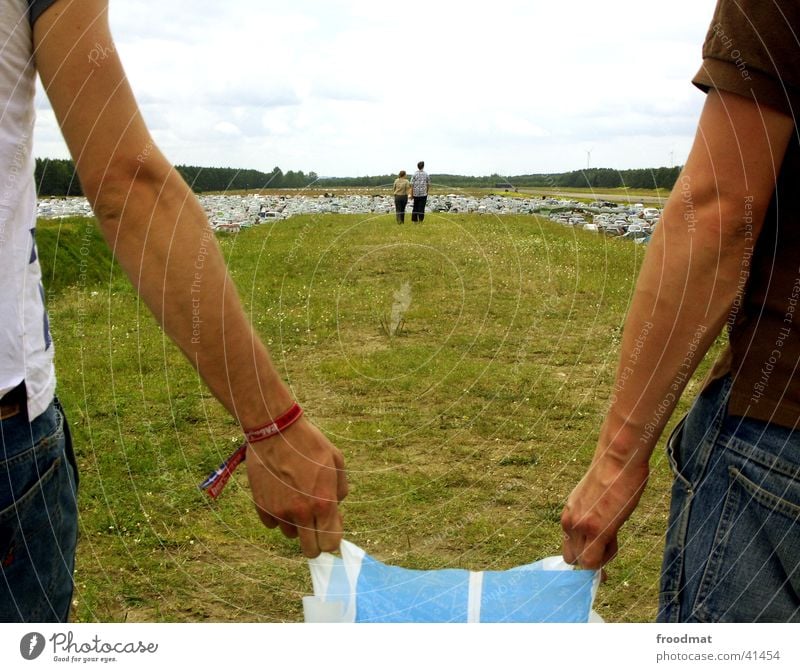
356,588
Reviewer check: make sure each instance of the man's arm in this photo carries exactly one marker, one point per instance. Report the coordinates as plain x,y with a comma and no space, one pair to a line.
161,237
683,296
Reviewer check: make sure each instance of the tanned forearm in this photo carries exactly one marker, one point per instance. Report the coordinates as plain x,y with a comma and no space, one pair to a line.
158,230
694,267
685,289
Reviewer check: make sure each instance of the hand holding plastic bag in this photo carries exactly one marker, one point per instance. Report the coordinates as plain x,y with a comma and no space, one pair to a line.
356,588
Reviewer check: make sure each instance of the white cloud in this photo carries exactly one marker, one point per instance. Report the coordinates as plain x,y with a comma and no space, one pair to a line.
352,87
227,129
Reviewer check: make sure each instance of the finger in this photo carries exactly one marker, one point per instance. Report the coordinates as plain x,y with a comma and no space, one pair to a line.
567,528
308,540
592,554
611,551
566,550
573,547
342,487
288,529
329,529
268,520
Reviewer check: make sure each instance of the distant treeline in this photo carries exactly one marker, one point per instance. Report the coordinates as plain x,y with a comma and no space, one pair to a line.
56,177
607,178
231,179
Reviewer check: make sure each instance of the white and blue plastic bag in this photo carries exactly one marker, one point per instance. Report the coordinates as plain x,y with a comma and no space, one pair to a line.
356,588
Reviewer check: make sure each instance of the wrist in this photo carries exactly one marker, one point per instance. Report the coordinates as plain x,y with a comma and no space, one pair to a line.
217,479
624,443
262,402
273,426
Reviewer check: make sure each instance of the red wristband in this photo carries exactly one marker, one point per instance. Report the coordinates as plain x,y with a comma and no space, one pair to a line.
276,426
216,481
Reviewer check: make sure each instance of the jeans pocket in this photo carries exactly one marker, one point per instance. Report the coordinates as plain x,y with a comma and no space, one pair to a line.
674,455
30,511
29,450
753,572
675,538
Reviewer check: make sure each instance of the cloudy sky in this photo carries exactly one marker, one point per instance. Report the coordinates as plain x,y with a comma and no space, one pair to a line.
355,87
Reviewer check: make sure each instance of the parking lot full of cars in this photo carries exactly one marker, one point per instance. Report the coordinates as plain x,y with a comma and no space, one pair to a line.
231,213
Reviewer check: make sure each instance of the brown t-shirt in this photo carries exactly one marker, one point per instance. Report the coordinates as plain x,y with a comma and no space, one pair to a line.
752,49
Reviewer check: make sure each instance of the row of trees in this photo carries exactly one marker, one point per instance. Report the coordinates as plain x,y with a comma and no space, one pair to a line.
56,177
362,181
604,178
231,179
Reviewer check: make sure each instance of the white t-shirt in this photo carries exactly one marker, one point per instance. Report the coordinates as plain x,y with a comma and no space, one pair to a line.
26,349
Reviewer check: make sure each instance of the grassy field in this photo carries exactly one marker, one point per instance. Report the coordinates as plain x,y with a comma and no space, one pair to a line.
463,433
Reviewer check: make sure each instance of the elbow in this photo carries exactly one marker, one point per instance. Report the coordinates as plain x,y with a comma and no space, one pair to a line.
124,183
714,213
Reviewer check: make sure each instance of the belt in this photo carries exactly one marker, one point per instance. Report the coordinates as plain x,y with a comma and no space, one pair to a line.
9,409
11,402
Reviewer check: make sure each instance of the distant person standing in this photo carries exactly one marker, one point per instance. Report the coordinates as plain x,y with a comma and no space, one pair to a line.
402,188
420,184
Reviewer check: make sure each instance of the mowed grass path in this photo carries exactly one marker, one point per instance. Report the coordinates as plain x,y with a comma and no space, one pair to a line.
463,434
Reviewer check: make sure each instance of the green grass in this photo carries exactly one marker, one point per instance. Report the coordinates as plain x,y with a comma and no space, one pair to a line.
72,253
463,435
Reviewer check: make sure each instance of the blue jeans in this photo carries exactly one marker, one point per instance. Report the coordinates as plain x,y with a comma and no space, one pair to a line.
733,542
38,517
